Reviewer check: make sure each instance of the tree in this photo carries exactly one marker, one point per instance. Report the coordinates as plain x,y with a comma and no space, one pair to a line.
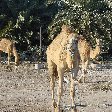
21,20
26,18
91,18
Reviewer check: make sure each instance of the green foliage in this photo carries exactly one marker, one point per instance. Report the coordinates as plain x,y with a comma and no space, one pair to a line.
6,29
26,16
91,18
21,20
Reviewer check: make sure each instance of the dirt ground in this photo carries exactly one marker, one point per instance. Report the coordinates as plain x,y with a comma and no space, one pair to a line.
27,90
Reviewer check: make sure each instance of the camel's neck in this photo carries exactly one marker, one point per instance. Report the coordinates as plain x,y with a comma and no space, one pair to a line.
95,52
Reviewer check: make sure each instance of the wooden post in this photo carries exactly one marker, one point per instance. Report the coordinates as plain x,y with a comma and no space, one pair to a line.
40,42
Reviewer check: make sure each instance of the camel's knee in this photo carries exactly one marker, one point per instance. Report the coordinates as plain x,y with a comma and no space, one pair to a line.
60,88
51,72
51,68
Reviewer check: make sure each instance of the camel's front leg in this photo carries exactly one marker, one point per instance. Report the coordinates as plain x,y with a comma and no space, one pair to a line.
72,88
52,82
60,88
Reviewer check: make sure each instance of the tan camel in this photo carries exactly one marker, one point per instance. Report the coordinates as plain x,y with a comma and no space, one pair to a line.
62,54
8,46
86,53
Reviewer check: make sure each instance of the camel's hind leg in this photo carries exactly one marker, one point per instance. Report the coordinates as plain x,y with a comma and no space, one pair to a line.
84,71
16,56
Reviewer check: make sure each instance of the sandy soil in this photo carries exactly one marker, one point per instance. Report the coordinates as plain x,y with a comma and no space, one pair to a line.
27,90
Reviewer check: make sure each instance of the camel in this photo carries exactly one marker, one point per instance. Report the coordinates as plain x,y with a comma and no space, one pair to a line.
86,53
62,55
8,46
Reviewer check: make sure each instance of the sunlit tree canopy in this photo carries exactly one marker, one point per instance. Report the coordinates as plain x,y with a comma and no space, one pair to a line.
21,20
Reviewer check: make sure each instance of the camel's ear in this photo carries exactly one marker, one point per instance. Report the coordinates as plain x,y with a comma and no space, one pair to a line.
97,40
63,27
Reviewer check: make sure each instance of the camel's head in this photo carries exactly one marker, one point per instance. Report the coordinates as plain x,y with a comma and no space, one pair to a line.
80,37
66,28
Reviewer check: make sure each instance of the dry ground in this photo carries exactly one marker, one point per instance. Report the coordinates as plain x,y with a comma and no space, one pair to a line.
27,90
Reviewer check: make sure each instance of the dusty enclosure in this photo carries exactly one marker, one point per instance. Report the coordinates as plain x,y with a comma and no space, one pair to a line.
28,90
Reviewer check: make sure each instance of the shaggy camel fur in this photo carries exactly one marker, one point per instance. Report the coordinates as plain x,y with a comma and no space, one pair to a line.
8,46
86,53
62,54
